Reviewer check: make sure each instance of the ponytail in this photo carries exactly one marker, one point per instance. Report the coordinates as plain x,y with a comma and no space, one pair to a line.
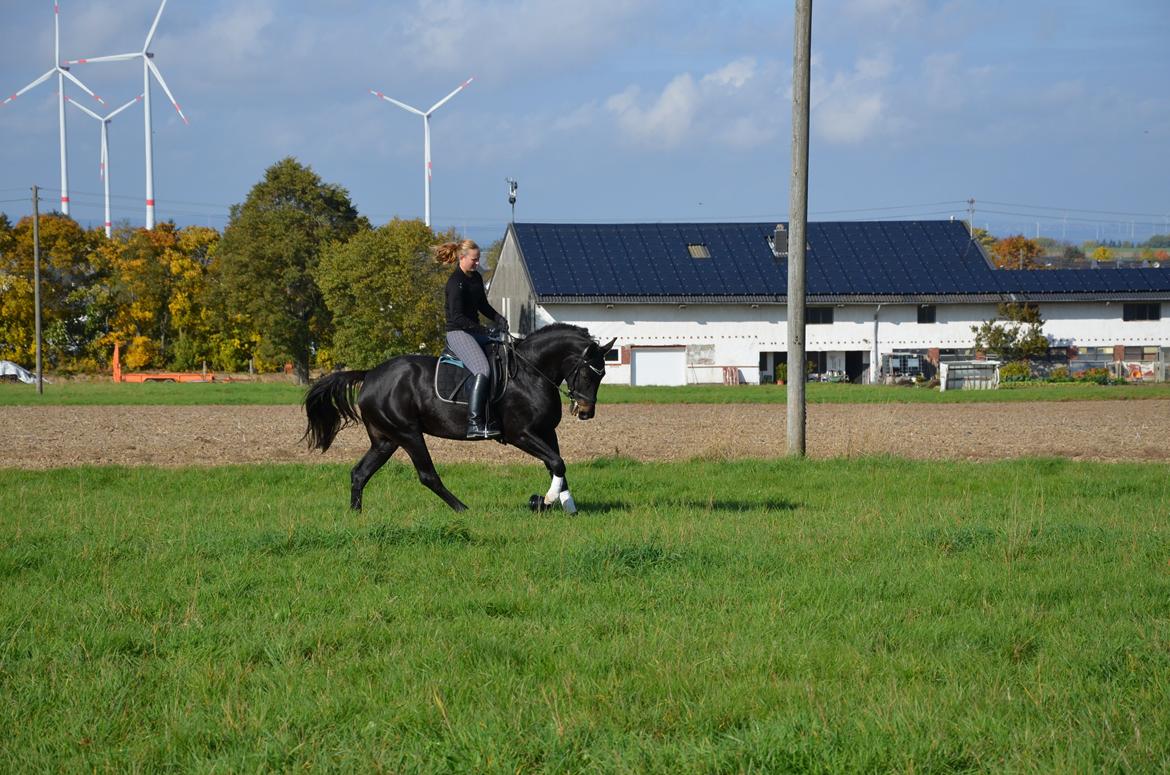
450,252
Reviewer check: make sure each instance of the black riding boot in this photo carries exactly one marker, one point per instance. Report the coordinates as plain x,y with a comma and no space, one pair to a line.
477,427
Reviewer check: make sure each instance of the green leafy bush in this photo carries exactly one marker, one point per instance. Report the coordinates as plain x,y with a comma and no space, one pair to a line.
1016,371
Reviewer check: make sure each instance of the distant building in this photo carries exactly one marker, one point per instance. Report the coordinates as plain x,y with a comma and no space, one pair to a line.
697,303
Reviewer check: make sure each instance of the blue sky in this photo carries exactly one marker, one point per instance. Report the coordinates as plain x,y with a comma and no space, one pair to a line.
631,110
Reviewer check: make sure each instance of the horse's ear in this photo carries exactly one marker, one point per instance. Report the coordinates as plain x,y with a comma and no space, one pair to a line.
607,346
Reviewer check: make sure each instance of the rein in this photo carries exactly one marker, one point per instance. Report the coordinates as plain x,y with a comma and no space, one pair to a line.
570,393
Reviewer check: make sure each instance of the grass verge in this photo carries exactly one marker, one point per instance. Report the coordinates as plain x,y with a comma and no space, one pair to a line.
820,616
107,393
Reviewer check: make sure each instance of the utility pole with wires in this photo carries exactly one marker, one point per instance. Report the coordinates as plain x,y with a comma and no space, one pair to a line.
36,202
797,227
971,216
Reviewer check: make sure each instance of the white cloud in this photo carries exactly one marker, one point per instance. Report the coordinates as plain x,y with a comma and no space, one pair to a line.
888,13
852,106
514,37
734,74
666,120
236,36
732,105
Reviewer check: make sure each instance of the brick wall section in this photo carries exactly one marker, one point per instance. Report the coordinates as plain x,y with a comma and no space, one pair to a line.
625,351
1119,352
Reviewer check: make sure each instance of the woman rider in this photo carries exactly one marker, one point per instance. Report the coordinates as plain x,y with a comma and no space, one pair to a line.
466,300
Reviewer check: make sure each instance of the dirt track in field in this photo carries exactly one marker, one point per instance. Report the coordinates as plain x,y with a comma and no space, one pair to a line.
213,435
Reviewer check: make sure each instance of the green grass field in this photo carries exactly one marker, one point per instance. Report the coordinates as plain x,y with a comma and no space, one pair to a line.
812,616
234,393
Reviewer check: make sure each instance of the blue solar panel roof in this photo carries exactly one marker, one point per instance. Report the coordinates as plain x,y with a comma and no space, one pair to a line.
851,258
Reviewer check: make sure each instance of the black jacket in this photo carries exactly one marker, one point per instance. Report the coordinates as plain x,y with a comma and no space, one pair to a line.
466,300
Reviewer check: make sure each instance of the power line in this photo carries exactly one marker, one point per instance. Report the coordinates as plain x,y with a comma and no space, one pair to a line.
1044,216
1072,209
892,207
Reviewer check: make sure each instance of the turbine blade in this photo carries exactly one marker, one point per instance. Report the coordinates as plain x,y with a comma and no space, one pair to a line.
81,107
153,27
443,101
402,105
56,32
32,85
81,85
158,77
128,104
111,58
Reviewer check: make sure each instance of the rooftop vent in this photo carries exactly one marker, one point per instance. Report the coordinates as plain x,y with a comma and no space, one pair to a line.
698,250
778,242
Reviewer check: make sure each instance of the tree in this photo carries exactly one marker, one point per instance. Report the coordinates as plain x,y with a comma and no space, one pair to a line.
491,259
1017,252
985,238
141,267
1102,253
269,254
385,294
1015,334
1158,241
1073,253
67,276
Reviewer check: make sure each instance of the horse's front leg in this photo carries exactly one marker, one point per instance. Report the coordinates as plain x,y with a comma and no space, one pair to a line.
548,451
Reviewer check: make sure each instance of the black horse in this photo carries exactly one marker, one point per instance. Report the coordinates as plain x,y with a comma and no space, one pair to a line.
398,405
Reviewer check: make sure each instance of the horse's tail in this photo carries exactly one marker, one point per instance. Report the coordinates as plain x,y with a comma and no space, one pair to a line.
329,405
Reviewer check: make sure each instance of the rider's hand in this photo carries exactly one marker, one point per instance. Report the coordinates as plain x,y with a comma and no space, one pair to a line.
502,323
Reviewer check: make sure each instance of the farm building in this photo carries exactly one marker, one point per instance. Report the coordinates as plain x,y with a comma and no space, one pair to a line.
705,303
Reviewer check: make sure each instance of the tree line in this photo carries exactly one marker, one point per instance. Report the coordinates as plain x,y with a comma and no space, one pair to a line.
297,276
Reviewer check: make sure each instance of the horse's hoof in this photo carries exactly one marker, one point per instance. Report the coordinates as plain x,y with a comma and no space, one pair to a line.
537,505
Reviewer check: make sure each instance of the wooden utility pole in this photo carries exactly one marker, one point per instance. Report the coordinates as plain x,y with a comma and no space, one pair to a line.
798,222
37,285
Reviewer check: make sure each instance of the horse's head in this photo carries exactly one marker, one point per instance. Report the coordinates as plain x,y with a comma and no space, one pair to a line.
585,378
566,353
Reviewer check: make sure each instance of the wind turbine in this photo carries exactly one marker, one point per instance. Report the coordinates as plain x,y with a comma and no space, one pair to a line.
105,163
62,73
426,117
148,69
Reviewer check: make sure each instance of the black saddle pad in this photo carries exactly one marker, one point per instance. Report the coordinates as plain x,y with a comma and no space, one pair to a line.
453,380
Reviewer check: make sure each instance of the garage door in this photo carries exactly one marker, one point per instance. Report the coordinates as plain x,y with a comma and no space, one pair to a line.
658,366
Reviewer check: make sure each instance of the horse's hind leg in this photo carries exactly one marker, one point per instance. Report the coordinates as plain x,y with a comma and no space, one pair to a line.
416,447
380,452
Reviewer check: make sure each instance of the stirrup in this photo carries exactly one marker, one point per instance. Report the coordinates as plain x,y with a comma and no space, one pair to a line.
476,431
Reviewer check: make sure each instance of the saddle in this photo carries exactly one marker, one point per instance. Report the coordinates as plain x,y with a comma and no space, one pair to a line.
453,379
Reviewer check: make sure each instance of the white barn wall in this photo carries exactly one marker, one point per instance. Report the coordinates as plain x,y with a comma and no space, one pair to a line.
740,332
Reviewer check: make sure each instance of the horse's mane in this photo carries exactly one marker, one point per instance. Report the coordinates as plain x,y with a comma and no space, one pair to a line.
538,337
540,333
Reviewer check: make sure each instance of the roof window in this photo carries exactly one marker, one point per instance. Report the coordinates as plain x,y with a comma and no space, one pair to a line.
698,250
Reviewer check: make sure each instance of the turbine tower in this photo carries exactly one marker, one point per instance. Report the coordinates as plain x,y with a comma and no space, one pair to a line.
62,73
148,69
426,117
104,167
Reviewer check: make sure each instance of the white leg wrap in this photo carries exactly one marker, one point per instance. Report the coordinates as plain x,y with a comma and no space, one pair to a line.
567,502
554,489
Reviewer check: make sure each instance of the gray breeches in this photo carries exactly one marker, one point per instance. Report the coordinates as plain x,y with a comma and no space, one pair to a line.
468,349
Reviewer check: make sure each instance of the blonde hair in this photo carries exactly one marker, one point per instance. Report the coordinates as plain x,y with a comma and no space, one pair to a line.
450,252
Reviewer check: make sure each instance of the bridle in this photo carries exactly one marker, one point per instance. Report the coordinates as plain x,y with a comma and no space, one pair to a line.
574,397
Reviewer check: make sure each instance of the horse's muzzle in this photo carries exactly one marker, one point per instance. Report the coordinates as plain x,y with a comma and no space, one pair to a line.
585,411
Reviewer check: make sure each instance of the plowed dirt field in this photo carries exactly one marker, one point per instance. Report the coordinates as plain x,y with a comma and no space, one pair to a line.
213,435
